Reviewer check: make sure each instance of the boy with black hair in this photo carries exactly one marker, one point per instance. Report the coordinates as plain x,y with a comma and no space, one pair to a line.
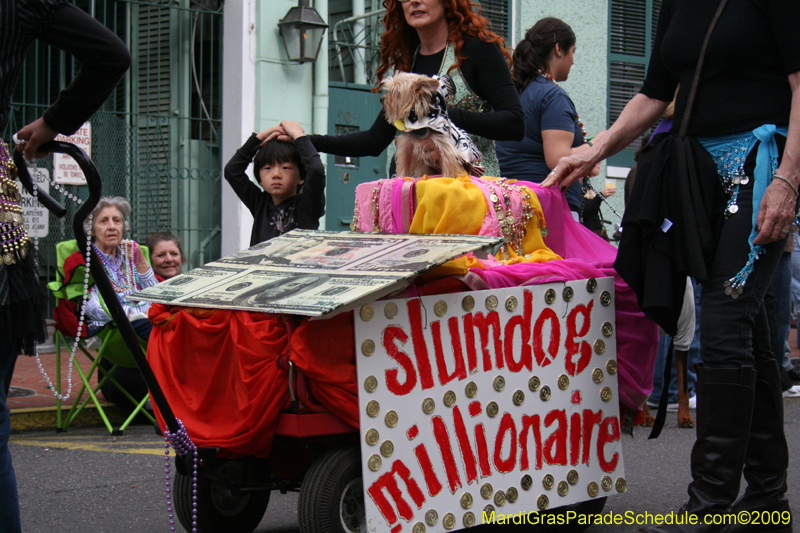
292,177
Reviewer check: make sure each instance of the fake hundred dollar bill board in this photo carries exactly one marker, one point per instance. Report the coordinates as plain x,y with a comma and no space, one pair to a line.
489,404
314,273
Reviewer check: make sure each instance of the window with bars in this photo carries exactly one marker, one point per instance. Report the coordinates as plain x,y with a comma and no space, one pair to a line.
499,13
632,30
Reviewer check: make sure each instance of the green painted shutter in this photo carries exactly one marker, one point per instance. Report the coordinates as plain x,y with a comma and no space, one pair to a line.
499,13
632,32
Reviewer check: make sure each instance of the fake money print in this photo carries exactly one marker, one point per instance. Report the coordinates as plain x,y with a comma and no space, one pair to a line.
197,280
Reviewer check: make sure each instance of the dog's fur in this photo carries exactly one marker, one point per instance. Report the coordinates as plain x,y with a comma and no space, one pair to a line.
423,151
685,419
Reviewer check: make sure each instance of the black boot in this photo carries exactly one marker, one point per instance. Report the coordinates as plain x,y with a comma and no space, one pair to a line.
724,410
767,459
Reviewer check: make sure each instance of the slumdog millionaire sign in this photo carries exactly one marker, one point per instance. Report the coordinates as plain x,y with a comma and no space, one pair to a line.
482,405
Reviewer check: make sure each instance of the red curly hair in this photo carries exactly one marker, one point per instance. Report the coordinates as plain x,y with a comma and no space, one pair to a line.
400,41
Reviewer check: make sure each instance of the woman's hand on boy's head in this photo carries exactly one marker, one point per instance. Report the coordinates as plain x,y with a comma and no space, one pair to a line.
293,130
271,133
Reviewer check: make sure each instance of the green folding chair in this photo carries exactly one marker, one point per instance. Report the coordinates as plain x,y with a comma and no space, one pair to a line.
69,293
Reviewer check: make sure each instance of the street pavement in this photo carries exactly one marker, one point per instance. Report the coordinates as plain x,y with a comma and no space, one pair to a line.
85,480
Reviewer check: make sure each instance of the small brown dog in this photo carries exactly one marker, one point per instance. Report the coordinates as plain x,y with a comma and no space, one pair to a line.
430,143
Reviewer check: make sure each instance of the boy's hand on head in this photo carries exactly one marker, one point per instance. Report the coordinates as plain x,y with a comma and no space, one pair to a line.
271,133
292,129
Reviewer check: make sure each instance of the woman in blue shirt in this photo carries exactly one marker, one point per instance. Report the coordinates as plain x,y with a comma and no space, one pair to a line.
552,126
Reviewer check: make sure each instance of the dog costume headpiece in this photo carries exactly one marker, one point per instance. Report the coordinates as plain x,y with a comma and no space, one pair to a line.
417,106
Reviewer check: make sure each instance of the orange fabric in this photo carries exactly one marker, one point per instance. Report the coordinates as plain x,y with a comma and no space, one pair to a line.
218,371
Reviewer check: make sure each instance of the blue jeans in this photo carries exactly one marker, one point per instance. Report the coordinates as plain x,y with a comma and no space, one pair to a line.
9,501
780,290
796,277
693,358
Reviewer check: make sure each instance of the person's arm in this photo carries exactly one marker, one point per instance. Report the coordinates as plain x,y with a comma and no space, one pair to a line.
637,117
777,210
235,172
367,143
148,277
313,194
104,59
486,71
94,308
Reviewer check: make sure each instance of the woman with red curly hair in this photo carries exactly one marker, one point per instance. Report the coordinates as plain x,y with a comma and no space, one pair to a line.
433,37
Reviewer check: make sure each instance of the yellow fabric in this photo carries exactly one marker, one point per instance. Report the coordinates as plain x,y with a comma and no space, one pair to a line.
448,205
457,206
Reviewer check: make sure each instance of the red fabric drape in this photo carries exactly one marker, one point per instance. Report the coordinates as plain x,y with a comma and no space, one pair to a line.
219,374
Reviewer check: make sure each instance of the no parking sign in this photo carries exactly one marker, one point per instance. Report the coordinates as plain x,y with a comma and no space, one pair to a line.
36,217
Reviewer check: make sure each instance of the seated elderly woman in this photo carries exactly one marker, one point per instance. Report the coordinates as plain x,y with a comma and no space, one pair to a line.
123,262
166,254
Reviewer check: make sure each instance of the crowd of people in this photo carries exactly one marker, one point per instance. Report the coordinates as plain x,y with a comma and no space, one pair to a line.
734,211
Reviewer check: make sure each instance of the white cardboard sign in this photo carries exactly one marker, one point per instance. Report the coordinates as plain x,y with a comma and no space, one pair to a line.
65,169
500,401
36,217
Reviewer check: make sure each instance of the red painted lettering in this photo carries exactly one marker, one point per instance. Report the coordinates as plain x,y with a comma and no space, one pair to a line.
389,335
574,438
388,482
459,372
412,432
483,450
607,433
482,324
507,427
574,348
470,464
532,423
555,447
431,479
475,408
420,346
590,420
545,358
446,449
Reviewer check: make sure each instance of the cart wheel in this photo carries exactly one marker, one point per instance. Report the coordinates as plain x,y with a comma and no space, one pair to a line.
588,507
218,508
332,496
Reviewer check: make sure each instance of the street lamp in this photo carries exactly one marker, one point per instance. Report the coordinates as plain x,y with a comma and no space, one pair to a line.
302,30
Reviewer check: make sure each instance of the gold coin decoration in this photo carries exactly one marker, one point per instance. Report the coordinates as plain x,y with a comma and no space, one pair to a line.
605,298
544,394
599,346
390,419
449,398
491,302
431,517
526,482
428,405
387,448
489,509
466,500
542,502
607,329
533,383
568,294
373,408
499,498
492,409
468,303
499,383
563,382
469,519
368,347
605,394
512,494
572,477
607,483
563,488
371,384
390,311
440,308
419,527
549,296
591,284
367,312
372,436
511,304
548,481
471,389
486,491
611,367
449,521
591,488
620,484
597,375
374,462
518,398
